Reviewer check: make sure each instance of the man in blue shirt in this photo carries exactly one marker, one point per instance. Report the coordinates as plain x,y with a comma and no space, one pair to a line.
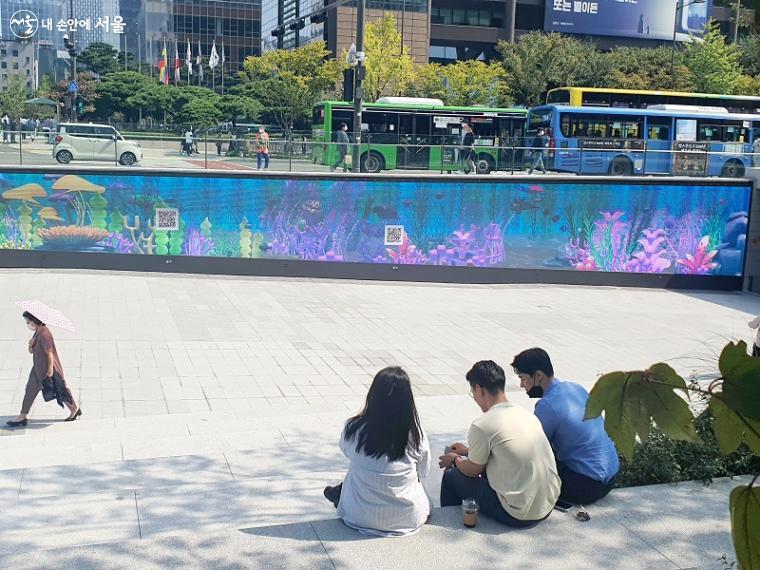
586,457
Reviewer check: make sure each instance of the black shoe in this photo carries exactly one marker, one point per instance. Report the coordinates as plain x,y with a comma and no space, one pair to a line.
74,417
332,494
22,423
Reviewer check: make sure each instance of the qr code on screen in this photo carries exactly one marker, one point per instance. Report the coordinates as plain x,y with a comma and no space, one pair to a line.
167,219
394,235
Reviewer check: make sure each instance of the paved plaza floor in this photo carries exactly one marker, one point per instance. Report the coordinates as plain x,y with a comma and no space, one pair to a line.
213,405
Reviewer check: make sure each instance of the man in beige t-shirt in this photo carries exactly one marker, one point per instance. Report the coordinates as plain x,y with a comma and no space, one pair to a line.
509,466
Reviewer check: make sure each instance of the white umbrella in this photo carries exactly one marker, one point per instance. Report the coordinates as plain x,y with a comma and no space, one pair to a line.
47,315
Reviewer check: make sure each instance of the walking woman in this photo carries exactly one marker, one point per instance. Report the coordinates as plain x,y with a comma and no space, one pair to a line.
45,365
388,455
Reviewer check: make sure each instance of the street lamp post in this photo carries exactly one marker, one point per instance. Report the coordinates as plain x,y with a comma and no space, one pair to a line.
680,5
358,89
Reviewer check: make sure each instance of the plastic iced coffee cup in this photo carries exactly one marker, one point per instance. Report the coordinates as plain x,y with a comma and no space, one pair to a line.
470,510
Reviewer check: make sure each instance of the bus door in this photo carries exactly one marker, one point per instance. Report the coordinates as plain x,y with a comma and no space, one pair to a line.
592,132
414,132
659,141
727,141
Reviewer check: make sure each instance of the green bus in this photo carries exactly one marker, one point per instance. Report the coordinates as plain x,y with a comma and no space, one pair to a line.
420,134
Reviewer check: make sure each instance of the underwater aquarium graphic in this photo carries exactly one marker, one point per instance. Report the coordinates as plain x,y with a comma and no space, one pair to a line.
624,228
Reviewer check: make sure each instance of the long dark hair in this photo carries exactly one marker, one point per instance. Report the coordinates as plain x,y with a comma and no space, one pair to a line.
30,317
389,423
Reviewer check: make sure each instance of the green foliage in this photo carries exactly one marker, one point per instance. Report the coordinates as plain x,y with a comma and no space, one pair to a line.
242,109
740,372
289,82
749,54
645,68
116,89
463,83
99,57
389,72
744,505
538,61
713,65
14,95
664,460
632,400
151,99
201,113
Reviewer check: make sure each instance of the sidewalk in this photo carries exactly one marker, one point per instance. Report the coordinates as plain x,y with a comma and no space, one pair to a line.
213,405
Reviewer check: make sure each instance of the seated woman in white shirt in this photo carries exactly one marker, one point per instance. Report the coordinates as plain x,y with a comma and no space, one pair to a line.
389,455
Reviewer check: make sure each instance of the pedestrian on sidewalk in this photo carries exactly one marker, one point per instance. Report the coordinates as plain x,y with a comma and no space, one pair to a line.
6,123
539,150
262,148
389,455
46,369
755,324
341,137
469,165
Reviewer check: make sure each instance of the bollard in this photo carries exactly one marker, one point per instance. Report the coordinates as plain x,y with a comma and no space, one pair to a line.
20,151
205,150
289,142
443,154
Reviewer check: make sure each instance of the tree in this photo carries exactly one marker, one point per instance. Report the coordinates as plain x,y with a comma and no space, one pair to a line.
99,58
645,68
239,108
713,65
749,54
14,96
463,83
115,90
289,82
199,112
152,100
88,90
632,402
388,71
539,61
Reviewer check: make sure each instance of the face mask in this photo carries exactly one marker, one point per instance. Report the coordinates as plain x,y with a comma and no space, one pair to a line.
536,391
31,327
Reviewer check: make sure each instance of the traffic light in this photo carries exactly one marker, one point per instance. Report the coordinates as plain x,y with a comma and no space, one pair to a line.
297,25
70,46
319,17
279,31
348,84
80,106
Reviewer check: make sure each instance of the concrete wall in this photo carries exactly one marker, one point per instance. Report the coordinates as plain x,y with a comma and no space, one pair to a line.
752,267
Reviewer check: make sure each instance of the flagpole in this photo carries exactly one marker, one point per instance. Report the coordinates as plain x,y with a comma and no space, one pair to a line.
223,60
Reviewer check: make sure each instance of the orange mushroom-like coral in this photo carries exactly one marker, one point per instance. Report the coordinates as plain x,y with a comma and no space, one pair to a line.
73,183
25,193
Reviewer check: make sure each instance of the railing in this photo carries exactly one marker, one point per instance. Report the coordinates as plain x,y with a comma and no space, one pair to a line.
298,154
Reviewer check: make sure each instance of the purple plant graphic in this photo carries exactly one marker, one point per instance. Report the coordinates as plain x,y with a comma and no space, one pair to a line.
650,259
407,254
196,244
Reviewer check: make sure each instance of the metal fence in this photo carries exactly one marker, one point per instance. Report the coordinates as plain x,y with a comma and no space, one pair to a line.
211,150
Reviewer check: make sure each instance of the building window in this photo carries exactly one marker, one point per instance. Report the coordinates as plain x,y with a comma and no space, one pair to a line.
14,53
4,65
15,65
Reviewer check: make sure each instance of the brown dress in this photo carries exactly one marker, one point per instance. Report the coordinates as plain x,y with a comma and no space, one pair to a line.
42,344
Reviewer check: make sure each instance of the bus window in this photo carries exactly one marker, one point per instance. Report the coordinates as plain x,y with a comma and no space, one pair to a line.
626,127
318,115
342,116
658,129
624,100
378,128
558,97
709,131
735,133
591,99
598,126
539,119
647,100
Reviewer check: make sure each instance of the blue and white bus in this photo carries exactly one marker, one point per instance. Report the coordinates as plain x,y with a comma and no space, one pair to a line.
665,139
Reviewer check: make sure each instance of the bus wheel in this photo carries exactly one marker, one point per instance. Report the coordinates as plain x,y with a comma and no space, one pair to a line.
372,162
621,167
732,169
485,164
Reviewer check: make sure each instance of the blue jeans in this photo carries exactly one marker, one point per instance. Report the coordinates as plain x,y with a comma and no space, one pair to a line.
538,162
262,157
456,486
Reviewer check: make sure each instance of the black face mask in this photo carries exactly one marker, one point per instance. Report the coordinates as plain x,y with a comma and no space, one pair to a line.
536,391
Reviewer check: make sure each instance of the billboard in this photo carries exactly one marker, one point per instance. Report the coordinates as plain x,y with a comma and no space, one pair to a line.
627,226
644,19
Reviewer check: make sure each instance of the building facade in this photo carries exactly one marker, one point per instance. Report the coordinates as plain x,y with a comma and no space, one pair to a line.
444,31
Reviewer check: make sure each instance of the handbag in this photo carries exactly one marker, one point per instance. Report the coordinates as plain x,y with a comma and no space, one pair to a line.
48,389
348,160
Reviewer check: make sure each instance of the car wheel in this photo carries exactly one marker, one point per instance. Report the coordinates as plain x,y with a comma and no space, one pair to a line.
732,169
621,167
64,156
128,159
372,162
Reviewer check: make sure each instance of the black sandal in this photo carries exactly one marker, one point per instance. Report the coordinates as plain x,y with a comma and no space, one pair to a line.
75,416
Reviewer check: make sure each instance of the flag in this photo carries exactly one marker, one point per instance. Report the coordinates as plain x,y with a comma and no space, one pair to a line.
189,61
163,73
199,62
223,57
177,65
213,59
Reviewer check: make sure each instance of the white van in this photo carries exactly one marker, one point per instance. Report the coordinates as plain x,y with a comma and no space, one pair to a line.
88,141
